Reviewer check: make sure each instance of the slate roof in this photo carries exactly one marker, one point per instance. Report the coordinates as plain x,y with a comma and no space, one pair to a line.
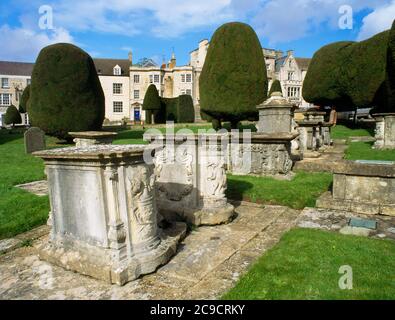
105,67
11,68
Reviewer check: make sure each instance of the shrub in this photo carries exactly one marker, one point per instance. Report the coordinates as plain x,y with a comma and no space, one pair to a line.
12,116
276,87
24,100
65,93
233,80
151,103
185,109
347,75
390,80
169,105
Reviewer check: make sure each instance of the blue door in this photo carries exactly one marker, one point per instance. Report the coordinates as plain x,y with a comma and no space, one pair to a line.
137,114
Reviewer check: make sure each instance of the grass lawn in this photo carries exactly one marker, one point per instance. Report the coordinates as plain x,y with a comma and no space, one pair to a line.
305,265
19,210
364,151
343,132
298,193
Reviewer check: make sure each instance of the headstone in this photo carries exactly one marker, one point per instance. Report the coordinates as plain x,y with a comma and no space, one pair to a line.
34,140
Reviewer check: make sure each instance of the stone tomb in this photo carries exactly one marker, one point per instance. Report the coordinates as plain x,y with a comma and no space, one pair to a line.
34,140
366,187
385,131
89,138
191,178
104,214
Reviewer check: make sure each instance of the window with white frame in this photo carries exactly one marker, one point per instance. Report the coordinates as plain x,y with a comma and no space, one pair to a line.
117,88
136,94
188,77
117,71
28,81
151,78
5,99
183,78
156,78
5,83
136,78
290,75
117,106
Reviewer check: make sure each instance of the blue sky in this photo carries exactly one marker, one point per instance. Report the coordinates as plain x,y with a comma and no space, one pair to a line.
152,28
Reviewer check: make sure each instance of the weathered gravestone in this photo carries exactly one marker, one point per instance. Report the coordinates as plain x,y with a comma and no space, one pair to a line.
34,140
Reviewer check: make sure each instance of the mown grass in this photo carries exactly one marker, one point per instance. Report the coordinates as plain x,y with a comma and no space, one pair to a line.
302,191
305,265
364,151
343,132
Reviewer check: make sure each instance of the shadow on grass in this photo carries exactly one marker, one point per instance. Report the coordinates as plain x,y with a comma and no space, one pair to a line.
9,135
238,189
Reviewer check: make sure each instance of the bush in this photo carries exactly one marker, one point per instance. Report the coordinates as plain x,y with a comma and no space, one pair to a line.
347,75
12,116
24,100
65,93
233,80
169,105
276,87
390,80
185,109
151,104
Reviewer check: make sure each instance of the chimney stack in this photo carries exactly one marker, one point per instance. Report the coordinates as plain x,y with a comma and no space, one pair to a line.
130,57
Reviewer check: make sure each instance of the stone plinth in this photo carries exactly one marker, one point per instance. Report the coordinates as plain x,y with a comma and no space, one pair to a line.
191,178
366,187
89,138
265,155
275,115
104,214
385,131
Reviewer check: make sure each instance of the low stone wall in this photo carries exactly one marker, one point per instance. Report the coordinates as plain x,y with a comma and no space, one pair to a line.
366,187
103,212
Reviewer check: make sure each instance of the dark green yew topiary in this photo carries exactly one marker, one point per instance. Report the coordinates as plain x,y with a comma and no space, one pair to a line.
233,80
151,104
65,93
347,75
24,100
390,81
12,116
185,109
276,87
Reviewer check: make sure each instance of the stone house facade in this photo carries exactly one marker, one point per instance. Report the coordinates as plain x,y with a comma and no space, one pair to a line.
14,77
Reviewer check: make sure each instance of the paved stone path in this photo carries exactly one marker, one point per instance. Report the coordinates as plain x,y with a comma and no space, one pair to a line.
39,188
328,160
209,262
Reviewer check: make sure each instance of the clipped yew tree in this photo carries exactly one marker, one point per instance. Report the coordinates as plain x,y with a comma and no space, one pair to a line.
233,80
348,75
12,116
391,70
185,109
276,87
65,93
24,100
151,103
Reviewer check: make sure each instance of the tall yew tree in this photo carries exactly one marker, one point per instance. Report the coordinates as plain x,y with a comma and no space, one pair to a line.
234,79
65,93
151,103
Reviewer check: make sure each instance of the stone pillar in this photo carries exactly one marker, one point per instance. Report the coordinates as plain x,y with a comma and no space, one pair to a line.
104,215
385,131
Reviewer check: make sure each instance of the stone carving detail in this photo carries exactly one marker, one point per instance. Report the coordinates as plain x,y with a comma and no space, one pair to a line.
379,134
144,212
217,178
183,160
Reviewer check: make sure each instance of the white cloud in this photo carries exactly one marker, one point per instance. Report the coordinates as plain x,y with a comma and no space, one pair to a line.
23,44
379,20
282,21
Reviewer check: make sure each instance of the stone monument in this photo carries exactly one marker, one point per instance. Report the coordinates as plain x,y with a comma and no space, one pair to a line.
191,178
385,131
34,140
89,138
104,213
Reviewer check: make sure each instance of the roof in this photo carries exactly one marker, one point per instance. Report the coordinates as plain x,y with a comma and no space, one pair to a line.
105,67
11,68
303,63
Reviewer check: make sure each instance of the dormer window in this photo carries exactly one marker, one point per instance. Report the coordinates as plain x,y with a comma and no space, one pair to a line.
117,70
